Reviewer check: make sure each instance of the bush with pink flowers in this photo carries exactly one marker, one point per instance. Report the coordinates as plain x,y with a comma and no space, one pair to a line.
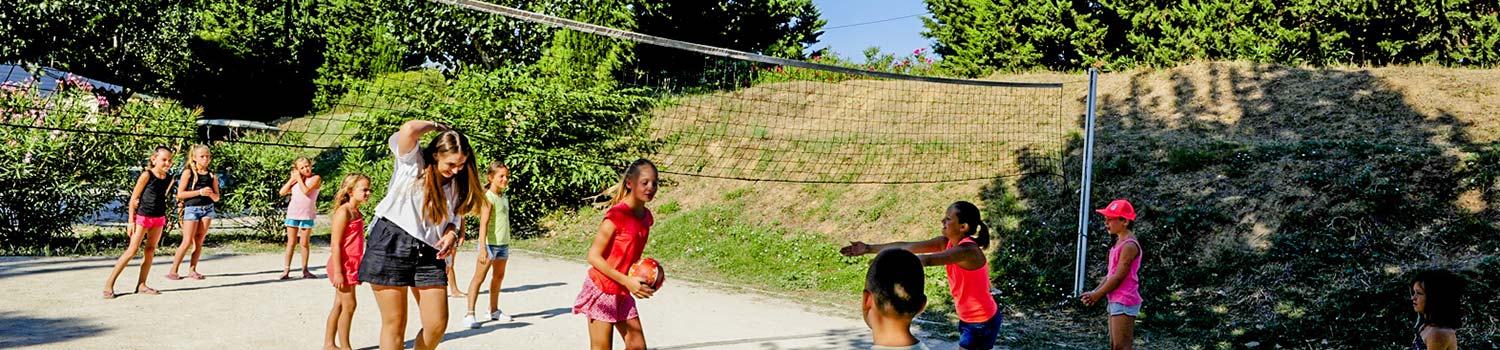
52,173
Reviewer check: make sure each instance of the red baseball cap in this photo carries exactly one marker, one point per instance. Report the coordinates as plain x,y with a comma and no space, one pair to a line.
1120,208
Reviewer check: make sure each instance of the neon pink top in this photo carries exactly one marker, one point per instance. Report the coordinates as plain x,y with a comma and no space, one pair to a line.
1128,293
624,247
971,290
304,205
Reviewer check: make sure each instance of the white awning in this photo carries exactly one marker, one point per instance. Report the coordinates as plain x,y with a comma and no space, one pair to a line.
236,123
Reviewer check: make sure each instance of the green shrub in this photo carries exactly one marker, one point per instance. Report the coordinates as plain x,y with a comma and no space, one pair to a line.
560,140
44,188
253,175
975,37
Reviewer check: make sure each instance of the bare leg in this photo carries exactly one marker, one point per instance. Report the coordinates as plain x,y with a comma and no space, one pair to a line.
1122,332
452,278
349,302
304,236
332,326
198,244
135,244
291,241
498,268
600,335
189,230
635,337
434,308
152,237
392,303
473,297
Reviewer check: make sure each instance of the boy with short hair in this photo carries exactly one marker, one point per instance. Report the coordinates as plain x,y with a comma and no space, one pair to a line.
893,296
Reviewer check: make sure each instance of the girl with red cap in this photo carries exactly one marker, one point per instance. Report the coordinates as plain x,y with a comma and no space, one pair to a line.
1121,285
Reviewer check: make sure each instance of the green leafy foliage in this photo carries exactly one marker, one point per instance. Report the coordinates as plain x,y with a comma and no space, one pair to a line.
253,175
560,140
782,28
1251,236
976,36
43,186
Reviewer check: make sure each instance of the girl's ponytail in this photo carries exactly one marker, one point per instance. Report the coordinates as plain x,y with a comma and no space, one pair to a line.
968,213
983,236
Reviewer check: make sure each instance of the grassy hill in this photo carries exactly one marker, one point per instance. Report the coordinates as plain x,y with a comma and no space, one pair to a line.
1281,206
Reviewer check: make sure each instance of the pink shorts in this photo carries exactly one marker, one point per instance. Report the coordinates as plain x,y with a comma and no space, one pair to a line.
150,222
597,305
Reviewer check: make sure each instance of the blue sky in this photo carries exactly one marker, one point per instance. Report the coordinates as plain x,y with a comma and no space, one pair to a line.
897,36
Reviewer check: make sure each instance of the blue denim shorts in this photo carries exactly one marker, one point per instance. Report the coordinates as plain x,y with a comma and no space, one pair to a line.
299,223
1116,309
196,213
979,336
498,251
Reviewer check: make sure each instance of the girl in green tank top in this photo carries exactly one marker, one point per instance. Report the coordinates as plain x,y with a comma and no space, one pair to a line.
494,230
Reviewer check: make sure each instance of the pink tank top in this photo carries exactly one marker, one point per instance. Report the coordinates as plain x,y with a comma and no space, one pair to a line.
303,205
1128,293
971,290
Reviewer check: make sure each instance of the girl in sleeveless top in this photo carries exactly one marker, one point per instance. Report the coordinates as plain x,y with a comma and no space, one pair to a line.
198,189
960,251
608,296
147,217
303,188
346,247
1122,284
1437,297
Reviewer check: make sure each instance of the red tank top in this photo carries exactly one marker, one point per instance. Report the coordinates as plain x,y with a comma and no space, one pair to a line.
354,239
624,248
971,290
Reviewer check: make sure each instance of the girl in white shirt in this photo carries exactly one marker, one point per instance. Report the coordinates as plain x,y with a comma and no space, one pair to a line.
416,226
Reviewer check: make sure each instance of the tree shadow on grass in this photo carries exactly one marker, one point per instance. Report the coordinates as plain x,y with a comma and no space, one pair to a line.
1277,205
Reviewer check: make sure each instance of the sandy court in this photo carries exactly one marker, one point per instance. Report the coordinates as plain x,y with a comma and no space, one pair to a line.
54,303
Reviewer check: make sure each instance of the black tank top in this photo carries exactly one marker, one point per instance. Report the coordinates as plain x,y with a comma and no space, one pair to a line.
197,182
154,196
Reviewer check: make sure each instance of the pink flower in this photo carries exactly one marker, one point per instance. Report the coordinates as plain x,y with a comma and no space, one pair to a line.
929,61
778,69
816,57
103,102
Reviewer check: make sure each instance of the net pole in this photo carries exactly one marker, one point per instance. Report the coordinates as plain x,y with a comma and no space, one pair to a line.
1085,186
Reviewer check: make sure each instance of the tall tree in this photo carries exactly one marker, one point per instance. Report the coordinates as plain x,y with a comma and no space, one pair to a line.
782,28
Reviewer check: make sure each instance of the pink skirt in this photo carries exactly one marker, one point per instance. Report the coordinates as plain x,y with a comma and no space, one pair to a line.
596,305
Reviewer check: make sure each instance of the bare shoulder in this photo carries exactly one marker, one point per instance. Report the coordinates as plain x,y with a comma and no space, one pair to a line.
1440,338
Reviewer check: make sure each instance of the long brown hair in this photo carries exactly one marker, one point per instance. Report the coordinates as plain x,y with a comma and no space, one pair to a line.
621,188
346,188
466,181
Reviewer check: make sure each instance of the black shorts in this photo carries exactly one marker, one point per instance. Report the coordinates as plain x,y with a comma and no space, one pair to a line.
395,258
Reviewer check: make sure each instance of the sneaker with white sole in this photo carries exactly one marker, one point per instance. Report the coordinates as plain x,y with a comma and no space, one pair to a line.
469,319
498,315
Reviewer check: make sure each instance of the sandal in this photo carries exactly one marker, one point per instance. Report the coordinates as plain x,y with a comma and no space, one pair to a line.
109,294
173,276
306,274
284,277
147,291
196,276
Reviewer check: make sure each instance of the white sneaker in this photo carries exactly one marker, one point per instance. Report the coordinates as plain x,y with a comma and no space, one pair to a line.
469,319
497,315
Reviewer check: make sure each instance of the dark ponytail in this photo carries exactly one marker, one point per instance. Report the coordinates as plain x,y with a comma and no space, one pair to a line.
968,213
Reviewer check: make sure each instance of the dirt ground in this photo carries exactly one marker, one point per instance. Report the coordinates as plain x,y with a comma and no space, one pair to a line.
54,303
